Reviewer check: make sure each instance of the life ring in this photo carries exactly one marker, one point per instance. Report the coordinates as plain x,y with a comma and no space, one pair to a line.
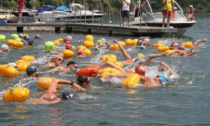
16,94
68,53
131,80
45,82
108,71
88,70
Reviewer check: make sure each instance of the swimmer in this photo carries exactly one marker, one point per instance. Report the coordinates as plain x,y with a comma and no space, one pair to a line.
195,44
71,66
37,36
159,80
84,82
13,64
32,71
81,54
191,52
55,62
20,36
30,43
174,45
4,48
69,47
146,42
51,96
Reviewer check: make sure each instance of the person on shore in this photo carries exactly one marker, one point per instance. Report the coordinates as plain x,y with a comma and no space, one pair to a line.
167,11
55,62
190,13
51,96
20,6
138,12
126,11
71,66
173,15
32,71
4,48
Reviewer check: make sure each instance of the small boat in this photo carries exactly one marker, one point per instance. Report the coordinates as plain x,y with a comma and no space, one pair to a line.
155,19
8,18
25,12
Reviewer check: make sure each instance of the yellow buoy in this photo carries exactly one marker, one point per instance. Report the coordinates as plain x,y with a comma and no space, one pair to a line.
56,42
168,51
22,65
89,38
68,53
108,72
129,42
28,58
187,44
87,52
45,82
88,44
162,48
114,47
112,56
140,55
81,47
10,71
16,94
159,45
122,43
131,80
60,39
10,42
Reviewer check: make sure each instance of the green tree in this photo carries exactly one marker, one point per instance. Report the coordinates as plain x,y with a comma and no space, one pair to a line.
35,4
13,4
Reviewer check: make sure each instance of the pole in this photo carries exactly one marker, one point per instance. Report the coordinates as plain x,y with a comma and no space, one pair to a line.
120,17
92,16
140,11
109,15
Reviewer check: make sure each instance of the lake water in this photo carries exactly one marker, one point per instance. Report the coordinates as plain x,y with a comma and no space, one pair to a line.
182,101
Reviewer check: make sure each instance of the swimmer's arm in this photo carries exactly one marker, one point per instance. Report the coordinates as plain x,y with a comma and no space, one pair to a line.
116,75
56,53
57,69
198,41
152,56
168,67
171,53
113,65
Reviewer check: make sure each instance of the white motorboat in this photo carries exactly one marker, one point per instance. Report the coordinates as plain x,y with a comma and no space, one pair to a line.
155,19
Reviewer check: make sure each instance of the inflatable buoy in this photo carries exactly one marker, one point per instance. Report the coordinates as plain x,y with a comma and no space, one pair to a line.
56,42
114,47
89,38
14,36
68,53
159,45
22,65
48,46
88,70
18,39
2,37
60,39
28,58
134,41
140,55
16,94
162,48
99,42
87,52
131,80
18,44
159,41
109,60
45,82
122,43
108,71
187,44
129,42
118,64
168,51
88,44
111,56
10,42
81,47
10,71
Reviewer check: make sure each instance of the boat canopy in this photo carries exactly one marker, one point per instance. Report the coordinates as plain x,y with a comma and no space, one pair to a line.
62,8
45,8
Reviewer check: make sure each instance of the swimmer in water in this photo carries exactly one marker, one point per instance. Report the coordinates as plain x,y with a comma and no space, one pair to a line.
146,42
191,52
81,54
37,36
30,43
71,66
55,62
32,71
159,80
51,96
84,82
4,48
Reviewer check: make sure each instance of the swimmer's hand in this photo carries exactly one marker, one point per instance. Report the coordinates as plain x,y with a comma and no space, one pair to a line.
204,40
163,55
115,41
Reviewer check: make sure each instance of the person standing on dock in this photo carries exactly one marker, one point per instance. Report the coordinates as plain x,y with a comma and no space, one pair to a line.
126,11
167,11
20,6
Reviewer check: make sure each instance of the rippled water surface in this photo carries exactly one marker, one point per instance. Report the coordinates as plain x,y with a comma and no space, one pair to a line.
183,101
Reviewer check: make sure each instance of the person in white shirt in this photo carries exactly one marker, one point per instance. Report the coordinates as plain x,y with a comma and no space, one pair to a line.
126,10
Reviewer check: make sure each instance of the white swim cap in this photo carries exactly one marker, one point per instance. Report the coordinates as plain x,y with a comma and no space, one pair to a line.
191,6
146,40
12,64
4,47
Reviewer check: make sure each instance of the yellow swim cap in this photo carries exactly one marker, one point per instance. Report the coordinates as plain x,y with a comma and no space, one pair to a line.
99,42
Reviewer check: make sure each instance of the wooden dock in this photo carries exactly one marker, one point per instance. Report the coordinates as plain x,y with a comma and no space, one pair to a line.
109,29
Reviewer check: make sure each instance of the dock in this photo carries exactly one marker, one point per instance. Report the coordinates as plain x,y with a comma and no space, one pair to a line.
88,28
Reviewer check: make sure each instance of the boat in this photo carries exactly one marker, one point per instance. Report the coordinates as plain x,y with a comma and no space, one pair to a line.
8,18
48,12
155,19
80,13
25,12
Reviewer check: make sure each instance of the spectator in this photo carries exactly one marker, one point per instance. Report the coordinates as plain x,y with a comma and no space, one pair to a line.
190,13
167,11
126,11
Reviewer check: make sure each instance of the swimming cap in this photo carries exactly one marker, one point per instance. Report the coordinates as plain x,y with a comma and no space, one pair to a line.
181,47
99,42
163,78
191,6
31,42
12,64
68,46
37,36
23,40
139,42
143,47
64,39
80,52
4,47
68,38
59,57
140,70
31,69
146,40
20,35
67,95
102,52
